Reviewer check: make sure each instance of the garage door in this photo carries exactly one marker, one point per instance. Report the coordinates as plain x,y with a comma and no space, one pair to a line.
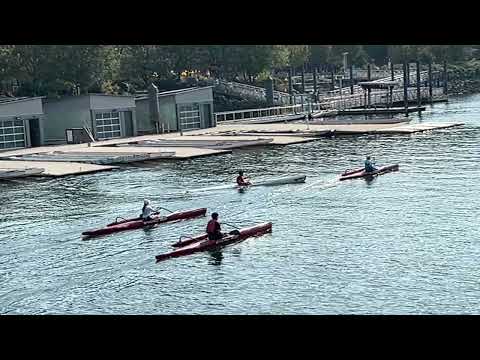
189,115
108,125
12,134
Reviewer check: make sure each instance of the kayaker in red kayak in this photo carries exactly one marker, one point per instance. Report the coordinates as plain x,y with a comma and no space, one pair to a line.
213,228
148,211
241,181
369,165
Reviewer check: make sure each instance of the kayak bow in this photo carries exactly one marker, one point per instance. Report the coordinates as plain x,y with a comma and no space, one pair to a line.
137,223
360,173
201,243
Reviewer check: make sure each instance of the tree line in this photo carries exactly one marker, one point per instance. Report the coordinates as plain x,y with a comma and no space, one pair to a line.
53,70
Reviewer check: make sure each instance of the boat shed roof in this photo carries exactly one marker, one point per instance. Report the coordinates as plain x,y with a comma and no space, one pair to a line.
173,92
7,99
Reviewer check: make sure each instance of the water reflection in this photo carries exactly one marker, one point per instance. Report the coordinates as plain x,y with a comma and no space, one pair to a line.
216,257
370,179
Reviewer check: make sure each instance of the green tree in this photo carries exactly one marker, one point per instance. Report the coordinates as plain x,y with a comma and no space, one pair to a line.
142,64
298,55
356,55
320,54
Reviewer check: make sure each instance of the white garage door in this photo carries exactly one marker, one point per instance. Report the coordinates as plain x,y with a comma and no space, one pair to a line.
12,134
108,125
189,115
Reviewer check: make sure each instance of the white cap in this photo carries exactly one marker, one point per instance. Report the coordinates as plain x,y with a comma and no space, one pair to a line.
146,201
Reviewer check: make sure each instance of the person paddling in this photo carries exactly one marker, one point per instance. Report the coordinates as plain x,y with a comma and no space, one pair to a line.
148,211
241,181
213,228
369,165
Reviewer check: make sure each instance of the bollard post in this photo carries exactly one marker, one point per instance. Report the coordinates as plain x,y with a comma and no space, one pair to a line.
419,97
332,86
269,91
290,86
445,78
408,74
303,79
392,70
405,90
351,79
430,90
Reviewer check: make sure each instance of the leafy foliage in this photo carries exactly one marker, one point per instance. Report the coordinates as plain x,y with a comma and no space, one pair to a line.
73,69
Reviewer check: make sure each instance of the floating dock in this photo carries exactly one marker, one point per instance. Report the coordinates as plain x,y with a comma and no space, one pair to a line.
55,169
381,111
98,158
8,173
197,143
349,121
275,140
351,129
415,128
180,152
202,143
306,134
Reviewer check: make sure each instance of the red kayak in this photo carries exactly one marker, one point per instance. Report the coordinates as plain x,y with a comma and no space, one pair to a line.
201,243
361,173
137,223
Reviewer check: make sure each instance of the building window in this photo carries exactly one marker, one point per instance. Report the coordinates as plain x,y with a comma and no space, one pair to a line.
12,134
189,116
108,125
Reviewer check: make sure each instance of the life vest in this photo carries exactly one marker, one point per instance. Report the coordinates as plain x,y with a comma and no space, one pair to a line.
212,226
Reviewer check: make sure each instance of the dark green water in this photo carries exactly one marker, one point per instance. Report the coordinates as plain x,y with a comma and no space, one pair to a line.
406,243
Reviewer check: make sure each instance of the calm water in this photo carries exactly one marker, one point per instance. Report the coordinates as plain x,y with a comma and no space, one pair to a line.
406,243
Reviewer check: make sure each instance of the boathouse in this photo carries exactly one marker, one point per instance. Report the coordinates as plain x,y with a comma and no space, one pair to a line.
20,122
105,116
177,110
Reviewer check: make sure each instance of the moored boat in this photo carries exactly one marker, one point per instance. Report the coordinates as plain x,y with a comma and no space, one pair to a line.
137,223
201,242
361,173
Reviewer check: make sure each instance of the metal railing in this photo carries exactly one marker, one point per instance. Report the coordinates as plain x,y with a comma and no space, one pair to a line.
380,97
398,78
346,102
259,113
357,74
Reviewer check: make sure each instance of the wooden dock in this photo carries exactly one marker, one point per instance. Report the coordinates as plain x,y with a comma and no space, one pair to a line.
275,140
381,111
245,135
55,169
344,129
181,153
415,128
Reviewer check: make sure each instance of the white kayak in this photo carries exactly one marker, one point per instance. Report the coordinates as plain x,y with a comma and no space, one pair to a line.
293,179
